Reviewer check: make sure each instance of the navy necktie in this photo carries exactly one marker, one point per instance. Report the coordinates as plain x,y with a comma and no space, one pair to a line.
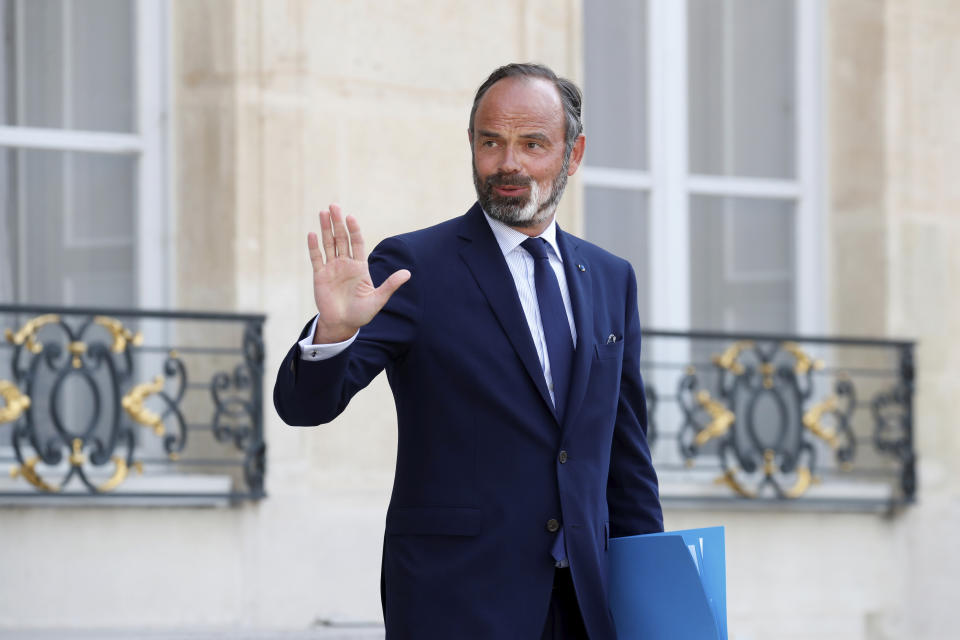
553,315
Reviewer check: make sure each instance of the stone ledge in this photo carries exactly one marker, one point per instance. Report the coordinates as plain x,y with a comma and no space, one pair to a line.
371,632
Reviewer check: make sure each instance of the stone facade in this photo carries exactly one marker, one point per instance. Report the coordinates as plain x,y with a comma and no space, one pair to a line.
283,107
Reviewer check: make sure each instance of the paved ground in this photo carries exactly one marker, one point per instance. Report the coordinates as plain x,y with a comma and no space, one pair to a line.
322,633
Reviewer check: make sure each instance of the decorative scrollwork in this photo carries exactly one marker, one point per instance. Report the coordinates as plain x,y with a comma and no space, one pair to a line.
233,412
839,437
97,372
812,420
83,384
77,349
27,471
15,402
238,405
729,359
721,418
121,335
176,441
893,419
804,363
27,335
132,403
119,474
759,416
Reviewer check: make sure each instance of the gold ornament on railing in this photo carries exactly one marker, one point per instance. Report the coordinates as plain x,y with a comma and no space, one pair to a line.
120,472
29,473
729,478
812,421
77,349
27,335
728,359
133,405
15,402
121,335
805,479
804,361
77,457
721,418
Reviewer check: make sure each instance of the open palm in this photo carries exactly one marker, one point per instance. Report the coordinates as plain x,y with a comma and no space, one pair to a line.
342,289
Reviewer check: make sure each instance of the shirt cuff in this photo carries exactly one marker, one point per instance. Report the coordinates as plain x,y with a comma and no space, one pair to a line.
310,351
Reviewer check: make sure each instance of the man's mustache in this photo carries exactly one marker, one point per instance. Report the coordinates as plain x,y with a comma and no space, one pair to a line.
508,180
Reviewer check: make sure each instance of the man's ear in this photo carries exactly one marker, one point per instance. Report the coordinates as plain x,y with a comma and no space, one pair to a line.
576,154
470,137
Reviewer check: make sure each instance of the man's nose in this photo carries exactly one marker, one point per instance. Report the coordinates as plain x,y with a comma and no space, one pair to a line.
509,163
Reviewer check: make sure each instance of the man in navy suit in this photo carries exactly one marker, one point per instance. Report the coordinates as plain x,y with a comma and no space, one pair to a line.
513,352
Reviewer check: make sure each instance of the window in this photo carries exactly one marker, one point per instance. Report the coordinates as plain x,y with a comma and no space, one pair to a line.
702,121
82,153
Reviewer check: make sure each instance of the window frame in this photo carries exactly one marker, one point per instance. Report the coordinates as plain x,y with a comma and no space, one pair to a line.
149,145
669,184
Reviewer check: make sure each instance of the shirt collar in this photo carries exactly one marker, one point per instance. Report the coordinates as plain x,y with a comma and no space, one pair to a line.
509,238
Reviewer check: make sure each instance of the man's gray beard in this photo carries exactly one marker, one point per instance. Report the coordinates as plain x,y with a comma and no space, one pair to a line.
522,214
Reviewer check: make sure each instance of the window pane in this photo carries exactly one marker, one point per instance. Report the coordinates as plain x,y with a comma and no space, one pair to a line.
615,90
68,228
68,64
742,103
742,274
616,219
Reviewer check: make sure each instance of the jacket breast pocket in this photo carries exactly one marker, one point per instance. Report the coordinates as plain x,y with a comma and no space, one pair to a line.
610,350
433,521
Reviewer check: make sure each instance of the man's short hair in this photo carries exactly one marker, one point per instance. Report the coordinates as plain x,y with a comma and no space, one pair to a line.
570,96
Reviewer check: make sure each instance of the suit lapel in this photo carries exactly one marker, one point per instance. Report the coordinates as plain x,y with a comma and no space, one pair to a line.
485,260
580,284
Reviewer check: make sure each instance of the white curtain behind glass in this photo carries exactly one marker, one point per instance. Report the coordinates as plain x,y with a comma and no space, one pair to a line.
742,123
70,65
615,113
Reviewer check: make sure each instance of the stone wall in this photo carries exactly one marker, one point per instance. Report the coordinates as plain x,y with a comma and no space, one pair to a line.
279,109
283,107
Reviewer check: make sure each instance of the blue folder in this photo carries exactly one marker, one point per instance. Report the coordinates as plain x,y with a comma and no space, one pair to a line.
669,586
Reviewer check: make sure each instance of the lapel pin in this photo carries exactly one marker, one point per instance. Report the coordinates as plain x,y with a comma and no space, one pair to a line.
581,267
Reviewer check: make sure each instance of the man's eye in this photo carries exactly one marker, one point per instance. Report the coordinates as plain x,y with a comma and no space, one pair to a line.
488,143
534,145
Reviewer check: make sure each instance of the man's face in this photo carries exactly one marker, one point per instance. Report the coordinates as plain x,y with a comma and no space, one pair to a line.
520,164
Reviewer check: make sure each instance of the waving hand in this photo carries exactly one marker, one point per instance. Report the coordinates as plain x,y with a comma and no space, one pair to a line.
342,289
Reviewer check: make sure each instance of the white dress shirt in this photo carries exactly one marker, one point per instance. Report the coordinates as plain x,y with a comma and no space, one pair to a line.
521,267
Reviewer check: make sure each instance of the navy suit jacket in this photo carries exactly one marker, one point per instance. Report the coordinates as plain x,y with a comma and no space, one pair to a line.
467,548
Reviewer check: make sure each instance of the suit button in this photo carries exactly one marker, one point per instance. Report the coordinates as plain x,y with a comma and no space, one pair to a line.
562,457
553,525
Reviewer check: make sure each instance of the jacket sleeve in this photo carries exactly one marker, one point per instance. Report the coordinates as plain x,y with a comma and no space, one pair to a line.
309,393
633,496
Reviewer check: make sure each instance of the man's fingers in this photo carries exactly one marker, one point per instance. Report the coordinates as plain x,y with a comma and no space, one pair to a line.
356,239
341,239
313,246
391,284
326,233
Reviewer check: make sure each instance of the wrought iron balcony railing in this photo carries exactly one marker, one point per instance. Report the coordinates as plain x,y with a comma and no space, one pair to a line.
88,396
118,405
804,422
